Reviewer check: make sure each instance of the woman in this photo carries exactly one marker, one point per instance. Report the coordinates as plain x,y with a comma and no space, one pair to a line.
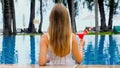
59,44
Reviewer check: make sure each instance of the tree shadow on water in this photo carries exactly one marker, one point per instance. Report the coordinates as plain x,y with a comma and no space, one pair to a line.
101,56
8,50
32,48
113,51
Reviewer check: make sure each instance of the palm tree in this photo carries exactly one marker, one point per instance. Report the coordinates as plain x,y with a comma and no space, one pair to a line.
112,6
103,26
90,4
96,15
31,27
41,18
13,16
72,16
2,2
6,17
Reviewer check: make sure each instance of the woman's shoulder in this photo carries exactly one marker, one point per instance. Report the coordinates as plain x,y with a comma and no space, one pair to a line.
44,37
73,36
74,39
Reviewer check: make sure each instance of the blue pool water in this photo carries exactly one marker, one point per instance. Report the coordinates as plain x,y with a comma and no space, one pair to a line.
98,49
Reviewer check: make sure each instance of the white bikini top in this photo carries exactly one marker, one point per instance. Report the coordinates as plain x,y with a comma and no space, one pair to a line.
56,60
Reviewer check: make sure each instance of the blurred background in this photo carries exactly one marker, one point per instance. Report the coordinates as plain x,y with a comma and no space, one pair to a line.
32,16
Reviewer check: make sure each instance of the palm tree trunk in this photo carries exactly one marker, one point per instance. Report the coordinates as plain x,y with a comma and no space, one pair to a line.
41,18
2,2
71,11
111,2
7,18
96,16
103,26
13,16
31,27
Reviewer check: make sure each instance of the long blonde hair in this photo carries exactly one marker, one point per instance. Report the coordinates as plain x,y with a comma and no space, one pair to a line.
59,30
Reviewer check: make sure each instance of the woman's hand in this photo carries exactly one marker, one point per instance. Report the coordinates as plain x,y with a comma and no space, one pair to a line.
82,42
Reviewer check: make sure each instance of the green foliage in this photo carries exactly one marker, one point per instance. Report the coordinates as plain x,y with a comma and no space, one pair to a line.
101,33
108,3
114,4
30,34
89,3
58,1
64,2
16,0
76,7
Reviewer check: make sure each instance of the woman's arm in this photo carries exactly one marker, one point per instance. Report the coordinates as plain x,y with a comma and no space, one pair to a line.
43,50
77,52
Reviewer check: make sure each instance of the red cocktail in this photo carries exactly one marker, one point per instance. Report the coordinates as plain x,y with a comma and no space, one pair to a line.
81,35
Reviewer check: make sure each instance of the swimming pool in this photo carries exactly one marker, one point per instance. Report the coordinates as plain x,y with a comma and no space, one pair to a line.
24,49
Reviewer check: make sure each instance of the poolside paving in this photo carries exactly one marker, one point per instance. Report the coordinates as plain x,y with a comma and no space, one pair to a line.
78,66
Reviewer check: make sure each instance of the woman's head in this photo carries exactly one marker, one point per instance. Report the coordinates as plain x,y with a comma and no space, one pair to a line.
59,30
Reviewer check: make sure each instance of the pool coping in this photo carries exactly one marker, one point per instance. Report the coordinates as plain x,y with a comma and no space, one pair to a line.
72,66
